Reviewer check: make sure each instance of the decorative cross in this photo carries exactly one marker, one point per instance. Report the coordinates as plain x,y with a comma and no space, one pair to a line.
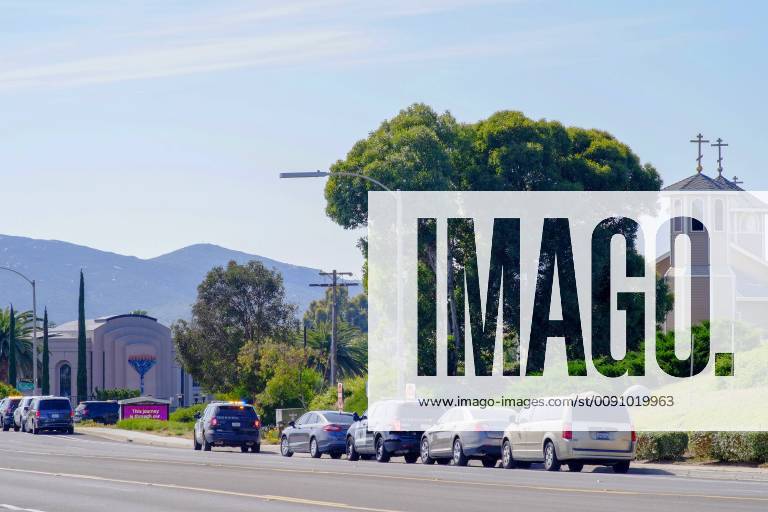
699,140
720,145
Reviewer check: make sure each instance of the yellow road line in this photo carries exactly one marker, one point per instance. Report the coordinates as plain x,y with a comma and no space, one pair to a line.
443,481
264,497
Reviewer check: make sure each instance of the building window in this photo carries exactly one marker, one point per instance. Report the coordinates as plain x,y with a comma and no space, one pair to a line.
65,380
696,215
677,212
719,215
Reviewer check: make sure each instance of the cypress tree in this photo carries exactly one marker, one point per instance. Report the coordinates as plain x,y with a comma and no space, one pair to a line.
82,371
46,382
12,349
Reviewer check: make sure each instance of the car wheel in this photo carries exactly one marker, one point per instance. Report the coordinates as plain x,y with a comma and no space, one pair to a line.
195,444
351,452
411,458
244,449
621,467
550,457
71,430
206,445
23,427
382,455
285,449
507,460
15,428
489,462
459,459
35,430
575,467
335,455
314,450
424,451
256,448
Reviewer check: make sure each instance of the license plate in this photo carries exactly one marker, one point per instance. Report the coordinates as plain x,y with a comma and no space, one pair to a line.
235,423
603,436
55,416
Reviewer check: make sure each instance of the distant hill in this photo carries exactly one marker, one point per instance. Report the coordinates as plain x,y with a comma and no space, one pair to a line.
165,286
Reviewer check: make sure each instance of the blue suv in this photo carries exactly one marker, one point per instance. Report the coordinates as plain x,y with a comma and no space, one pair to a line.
228,424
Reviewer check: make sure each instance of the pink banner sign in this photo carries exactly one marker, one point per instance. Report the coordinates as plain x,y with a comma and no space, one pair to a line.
146,411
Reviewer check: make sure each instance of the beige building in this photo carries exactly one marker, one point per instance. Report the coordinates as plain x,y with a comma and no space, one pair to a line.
111,343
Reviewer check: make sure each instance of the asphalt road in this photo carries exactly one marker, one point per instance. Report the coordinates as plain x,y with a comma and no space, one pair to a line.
57,473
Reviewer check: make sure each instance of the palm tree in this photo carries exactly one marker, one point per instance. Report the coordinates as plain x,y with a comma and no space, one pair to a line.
351,348
23,343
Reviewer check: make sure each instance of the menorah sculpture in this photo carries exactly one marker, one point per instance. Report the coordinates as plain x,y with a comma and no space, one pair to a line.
142,363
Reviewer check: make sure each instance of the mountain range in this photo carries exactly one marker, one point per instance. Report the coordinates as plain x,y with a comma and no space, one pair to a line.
164,286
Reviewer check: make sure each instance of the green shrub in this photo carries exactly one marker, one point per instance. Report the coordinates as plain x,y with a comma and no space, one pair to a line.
700,444
740,447
116,394
8,390
661,445
730,447
174,428
187,414
355,397
758,442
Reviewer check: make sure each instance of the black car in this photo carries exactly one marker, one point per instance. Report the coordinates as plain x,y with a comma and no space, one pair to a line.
401,424
316,433
107,412
228,424
51,414
6,411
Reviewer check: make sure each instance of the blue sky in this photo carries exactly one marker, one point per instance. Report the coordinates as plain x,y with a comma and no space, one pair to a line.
140,127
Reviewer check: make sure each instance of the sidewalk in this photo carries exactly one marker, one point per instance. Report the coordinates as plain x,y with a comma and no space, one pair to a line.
718,472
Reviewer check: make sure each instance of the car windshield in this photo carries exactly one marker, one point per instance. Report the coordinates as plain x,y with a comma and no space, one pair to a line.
338,417
54,405
235,412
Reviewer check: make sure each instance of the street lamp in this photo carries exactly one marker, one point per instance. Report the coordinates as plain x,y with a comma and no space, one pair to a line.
399,211
34,325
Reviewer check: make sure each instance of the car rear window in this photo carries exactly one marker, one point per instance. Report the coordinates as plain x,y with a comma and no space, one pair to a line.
53,405
338,417
235,411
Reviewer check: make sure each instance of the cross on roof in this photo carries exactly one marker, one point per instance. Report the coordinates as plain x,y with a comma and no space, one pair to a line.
699,140
720,145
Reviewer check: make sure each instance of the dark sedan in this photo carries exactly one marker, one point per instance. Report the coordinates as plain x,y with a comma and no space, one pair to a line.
107,412
6,411
316,433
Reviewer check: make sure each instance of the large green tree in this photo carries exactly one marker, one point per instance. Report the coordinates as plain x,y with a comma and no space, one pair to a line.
82,369
420,149
351,348
353,311
235,304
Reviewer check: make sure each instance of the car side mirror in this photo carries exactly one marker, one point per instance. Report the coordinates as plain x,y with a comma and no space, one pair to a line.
291,424
198,416
355,417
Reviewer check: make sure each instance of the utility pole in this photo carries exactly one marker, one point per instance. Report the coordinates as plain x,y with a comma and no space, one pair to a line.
333,285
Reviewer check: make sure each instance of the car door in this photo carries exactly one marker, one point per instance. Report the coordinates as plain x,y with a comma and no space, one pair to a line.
364,436
299,440
441,444
518,438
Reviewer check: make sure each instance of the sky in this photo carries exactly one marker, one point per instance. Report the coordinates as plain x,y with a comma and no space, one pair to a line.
140,127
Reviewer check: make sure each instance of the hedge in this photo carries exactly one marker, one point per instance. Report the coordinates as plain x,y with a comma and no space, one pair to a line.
661,445
740,447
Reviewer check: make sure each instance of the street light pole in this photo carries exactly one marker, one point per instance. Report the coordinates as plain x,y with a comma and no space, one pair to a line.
34,326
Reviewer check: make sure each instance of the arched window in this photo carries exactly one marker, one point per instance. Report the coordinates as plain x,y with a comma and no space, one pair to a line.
719,215
697,214
65,380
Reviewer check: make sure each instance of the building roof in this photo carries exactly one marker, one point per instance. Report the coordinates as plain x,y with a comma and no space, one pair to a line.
701,181
91,324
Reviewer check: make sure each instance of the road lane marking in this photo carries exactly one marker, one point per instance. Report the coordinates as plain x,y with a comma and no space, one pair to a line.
263,497
5,506
438,480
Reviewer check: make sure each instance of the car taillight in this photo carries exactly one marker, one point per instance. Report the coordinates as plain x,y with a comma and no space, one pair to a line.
71,414
480,427
257,424
37,414
567,432
214,422
634,436
332,428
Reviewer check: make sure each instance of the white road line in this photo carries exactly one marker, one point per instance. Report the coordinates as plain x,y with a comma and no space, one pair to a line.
18,509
